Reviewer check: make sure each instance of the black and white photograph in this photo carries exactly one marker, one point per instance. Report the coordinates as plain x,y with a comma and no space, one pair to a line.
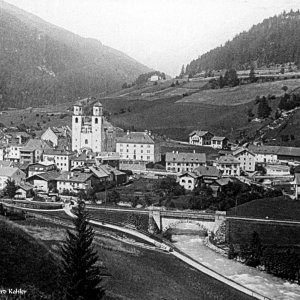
149,150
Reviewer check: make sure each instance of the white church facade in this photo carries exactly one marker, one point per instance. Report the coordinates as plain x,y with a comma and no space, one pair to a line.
87,130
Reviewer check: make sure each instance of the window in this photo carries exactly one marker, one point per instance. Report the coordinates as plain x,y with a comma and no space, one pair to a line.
86,141
189,181
183,180
76,120
96,120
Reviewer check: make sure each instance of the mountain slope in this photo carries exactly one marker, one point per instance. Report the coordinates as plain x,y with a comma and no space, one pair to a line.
275,40
41,63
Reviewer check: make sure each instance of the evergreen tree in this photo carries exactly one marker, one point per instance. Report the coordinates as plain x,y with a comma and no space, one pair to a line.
80,272
11,188
263,110
252,74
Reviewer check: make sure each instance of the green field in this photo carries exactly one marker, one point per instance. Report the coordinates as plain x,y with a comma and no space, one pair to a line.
241,94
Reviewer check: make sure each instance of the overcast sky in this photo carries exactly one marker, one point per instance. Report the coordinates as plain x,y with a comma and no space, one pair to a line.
162,34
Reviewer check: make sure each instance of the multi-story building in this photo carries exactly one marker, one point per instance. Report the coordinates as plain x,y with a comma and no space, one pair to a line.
136,149
207,139
41,167
228,165
61,158
33,151
10,173
75,181
55,134
246,158
87,130
265,154
189,180
201,138
184,162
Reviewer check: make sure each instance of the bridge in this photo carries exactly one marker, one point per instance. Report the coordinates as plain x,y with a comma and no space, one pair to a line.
207,222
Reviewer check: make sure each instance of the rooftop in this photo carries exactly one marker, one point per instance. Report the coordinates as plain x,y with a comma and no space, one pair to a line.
241,150
136,138
219,138
35,144
227,160
207,171
186,157
200,133
74,176
47,176
190,174
58,152
8,171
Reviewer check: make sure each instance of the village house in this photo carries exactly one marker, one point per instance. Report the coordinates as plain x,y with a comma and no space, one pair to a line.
277,170
55,134
33,151
228,165
184,162
219,142
136,149
40,167
75,182
208,174
265,154
44,182
207,139
61,158
201,138
188,180
246,158
10,173
24,191
83,159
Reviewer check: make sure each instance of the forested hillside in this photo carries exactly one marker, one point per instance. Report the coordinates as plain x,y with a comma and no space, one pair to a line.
41,63
274,41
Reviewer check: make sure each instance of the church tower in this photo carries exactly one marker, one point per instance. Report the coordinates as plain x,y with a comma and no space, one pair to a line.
77,119
87,130
97,124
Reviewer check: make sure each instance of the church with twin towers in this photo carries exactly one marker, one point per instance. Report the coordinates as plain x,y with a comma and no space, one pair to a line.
91,133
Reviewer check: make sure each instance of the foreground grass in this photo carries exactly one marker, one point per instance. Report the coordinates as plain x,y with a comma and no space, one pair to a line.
138,273
25,261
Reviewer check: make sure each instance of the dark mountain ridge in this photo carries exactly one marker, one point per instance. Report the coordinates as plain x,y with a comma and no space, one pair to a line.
274,41
41,63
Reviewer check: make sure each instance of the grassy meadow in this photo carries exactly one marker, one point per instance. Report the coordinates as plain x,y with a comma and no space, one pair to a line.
242,94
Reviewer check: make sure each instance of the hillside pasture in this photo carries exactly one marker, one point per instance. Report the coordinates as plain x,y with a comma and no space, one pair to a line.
232,96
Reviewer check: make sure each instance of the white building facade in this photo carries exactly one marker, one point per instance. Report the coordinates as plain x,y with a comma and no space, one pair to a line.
87,130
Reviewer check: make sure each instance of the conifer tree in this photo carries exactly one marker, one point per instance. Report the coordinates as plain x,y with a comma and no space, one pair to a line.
11,188
82,277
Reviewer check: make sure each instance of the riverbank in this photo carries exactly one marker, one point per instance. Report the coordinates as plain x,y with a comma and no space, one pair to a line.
261,282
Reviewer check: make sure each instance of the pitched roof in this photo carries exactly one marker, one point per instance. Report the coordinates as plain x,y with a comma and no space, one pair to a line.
223,181
5,163
240,150
208,171
47,176
186,157
228,159
264,149
100,171
200,133
190,174
289,151
60,152
136,138
8,171
74,176
25,186
219,138
98,104
35,144
84,156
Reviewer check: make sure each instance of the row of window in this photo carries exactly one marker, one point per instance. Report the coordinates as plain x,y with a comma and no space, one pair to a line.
96,120
134,145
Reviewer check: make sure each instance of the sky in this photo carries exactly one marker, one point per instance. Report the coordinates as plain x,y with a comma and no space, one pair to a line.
162,34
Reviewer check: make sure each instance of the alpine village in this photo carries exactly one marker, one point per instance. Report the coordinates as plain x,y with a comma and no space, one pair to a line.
120,182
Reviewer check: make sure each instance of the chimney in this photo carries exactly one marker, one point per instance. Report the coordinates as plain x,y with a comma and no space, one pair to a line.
194,151
176,152
146,131
72,174
127,132
68,176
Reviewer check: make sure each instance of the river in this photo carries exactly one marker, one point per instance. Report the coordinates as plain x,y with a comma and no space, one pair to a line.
261,282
